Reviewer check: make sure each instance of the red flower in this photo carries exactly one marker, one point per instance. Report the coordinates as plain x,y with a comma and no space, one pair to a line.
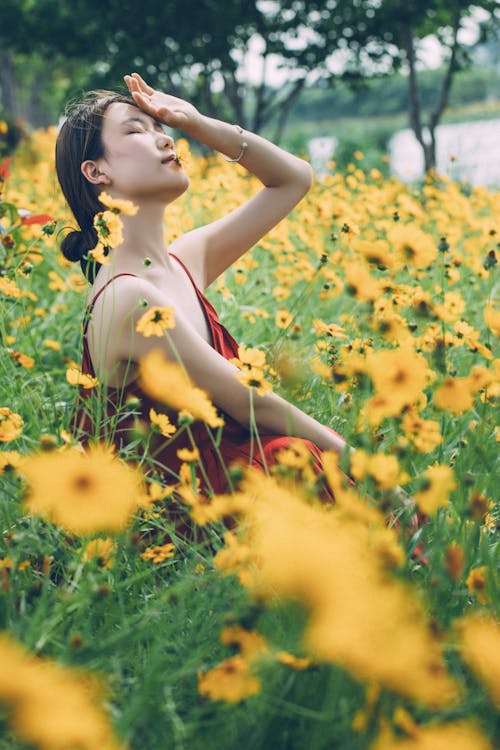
3,169
38,219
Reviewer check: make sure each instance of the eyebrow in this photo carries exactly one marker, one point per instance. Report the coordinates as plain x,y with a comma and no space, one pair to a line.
143,121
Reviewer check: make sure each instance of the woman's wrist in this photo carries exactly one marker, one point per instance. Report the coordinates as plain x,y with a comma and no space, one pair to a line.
218,135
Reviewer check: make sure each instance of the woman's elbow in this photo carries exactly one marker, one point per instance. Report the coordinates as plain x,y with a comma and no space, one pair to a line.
306,177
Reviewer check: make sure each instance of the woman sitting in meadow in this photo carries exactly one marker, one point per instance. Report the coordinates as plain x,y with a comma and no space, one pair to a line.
113,149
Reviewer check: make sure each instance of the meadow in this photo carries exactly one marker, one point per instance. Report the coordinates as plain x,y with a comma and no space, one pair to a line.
133,614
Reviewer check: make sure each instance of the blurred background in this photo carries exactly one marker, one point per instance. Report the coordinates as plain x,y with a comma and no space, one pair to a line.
403,86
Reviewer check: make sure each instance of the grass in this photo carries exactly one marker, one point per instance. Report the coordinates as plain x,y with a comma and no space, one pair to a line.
148,630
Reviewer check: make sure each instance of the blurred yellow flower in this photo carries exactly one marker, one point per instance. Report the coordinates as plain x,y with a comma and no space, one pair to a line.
51,344
439,482
101,549
22,359
454,394
168,383
119,205
476,583
479,644
9,287
492,319
9,460
82,492
360,618
413,246
462,735
231,681
50,706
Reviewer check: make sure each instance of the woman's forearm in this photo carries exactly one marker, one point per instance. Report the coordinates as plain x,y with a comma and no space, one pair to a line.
272,165
274,415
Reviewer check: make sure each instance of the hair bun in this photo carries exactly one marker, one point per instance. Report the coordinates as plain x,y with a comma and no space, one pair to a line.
76,244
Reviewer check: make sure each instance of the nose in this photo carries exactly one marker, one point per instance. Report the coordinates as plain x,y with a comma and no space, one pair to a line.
165,141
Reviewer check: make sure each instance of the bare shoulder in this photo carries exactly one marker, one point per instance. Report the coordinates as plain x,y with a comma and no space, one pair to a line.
126,294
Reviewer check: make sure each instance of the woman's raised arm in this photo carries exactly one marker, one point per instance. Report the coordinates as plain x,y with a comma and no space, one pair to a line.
209,250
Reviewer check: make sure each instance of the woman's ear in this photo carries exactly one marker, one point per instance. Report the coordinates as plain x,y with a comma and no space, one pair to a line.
93,174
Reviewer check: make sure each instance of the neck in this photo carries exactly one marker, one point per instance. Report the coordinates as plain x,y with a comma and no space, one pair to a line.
144,246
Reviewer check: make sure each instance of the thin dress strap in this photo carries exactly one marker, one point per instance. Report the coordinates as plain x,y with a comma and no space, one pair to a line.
87,365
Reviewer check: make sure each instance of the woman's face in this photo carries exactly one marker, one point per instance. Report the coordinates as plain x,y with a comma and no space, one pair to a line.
138,157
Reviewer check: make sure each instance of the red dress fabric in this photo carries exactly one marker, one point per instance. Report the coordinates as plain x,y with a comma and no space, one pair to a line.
235,444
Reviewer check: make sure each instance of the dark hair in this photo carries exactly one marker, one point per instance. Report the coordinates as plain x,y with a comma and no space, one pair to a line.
80,139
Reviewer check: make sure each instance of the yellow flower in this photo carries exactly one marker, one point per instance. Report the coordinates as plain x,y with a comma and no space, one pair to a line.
283,318
294,662
399,377
385,470
168,383
51,344
11,425
9,461
50,706
75,377
254,378
100,254
82,492
182,152
492,319
360,283
455,395
479,644
22,359
118,205
250,358
109,228
162,423
251,644
56,283
413,246
9,287
102,549
476,583
439,481
155,321
454,561
360,618
424,434
231,681
462,735
160,553
190,456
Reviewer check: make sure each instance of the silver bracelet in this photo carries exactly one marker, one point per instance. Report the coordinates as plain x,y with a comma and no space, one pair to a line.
243,148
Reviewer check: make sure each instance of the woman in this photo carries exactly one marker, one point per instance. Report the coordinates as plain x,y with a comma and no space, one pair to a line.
117,144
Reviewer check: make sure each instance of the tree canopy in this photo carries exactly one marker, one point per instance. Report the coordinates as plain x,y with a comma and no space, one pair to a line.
196,51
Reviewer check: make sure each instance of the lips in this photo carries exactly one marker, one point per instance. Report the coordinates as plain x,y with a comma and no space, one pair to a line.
168,159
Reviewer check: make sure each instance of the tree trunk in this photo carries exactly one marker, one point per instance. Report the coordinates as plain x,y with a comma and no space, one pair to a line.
285,110
8,83
426,135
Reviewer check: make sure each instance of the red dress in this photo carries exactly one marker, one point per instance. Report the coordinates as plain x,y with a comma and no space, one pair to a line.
235,444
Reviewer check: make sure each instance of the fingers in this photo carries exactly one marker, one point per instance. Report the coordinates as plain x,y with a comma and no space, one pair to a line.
142,84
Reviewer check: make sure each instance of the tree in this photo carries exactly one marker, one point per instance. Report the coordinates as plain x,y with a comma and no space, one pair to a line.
397,29
195,54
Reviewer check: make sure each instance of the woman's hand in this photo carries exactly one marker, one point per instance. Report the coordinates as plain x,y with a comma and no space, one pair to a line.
172,111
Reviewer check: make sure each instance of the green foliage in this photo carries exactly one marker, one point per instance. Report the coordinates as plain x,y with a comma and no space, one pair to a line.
11,133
